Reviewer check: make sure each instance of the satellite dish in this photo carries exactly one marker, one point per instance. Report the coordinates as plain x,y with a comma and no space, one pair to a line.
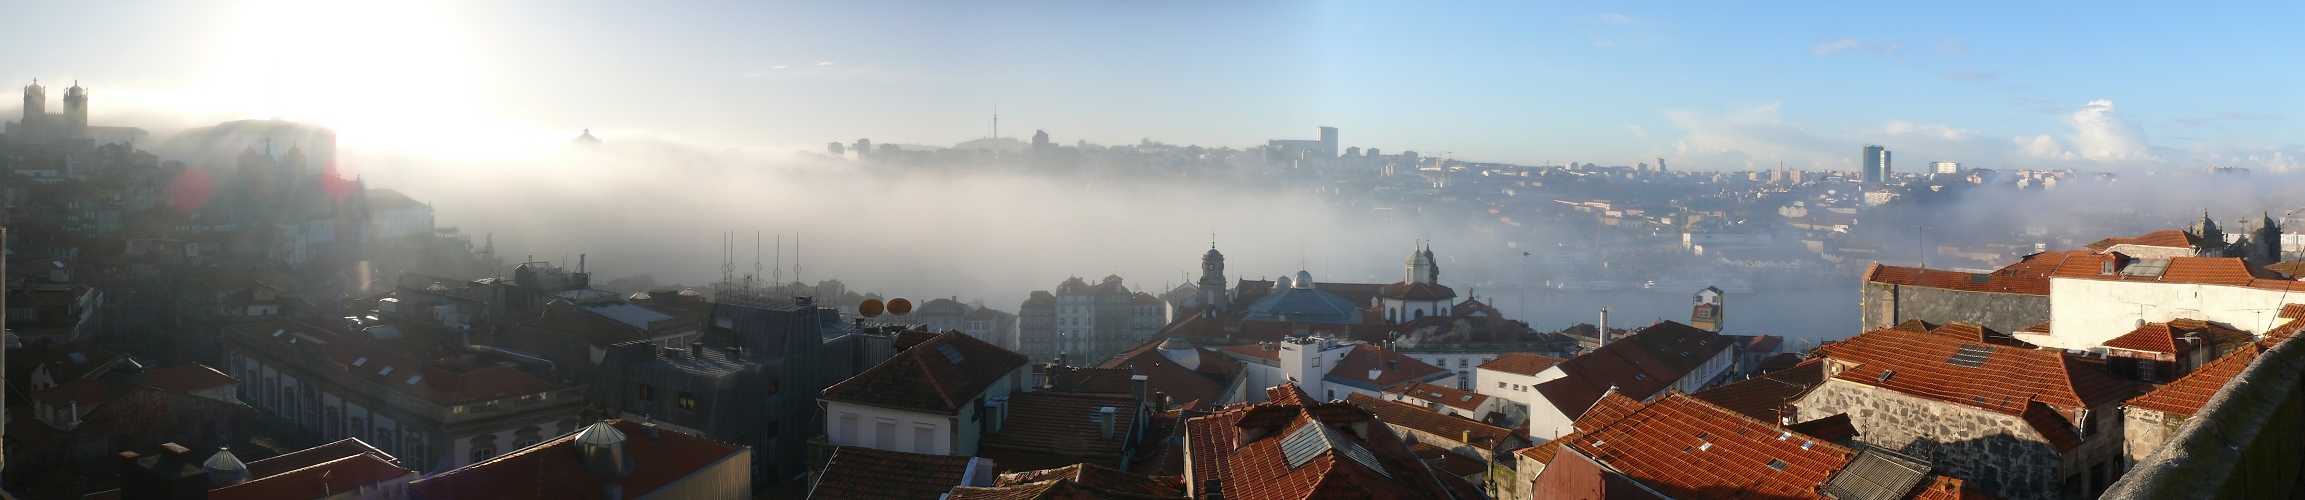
899,306
870,308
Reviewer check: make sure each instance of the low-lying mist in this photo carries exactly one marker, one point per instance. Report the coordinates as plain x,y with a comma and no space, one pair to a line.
657,208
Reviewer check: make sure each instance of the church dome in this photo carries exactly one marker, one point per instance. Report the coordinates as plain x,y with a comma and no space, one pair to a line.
1304,280
224,469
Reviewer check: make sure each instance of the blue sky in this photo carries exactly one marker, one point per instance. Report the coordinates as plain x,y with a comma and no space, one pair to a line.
1707,86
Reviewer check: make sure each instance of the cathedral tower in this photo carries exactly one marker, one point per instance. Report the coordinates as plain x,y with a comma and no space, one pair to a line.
75,111
1212,282
1420,268
35,103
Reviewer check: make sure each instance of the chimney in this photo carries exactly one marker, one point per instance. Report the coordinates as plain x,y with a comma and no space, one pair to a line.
1137,385
649,428
1467,438
1604,326
1160,401
696,350
1105,416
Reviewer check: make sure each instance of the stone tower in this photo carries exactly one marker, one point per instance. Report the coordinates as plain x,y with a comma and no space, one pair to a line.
1212,282
1420,268
75,111
35,103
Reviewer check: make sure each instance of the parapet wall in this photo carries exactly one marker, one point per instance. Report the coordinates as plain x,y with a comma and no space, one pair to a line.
2248,442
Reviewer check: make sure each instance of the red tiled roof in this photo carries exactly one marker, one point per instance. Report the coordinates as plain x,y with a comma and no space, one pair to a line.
1100,479
187,378
2029,276
1451,427
1258,470
1186,388
1686,448
2004,382
552,470
2167,337
1521,363
1938,487
1049,429
1640,365
861,473
2185,396
1092,380
1451,396
2293,311
87,392
2052,425
925,378
1978,334
342,448
445,383
2226,271
2169,238
1607,410
1447,461
1416,291
1763,397
317,481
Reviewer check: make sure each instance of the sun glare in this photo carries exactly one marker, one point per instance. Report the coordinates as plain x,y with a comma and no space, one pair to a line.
395,75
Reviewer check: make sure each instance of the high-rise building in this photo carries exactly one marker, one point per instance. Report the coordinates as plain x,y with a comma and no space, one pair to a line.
1946,167
1876,160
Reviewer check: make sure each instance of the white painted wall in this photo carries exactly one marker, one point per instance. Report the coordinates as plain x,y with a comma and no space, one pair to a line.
2084,313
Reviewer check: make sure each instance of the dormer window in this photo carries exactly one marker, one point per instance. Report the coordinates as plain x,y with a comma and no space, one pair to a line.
687,401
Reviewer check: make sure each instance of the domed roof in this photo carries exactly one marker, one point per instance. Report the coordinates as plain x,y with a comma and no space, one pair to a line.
1306,304
690,292
223,460
1304,280
1213,253
1176,344
600,434
638,296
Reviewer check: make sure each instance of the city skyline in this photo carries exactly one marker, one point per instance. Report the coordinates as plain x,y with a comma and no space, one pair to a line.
1707,88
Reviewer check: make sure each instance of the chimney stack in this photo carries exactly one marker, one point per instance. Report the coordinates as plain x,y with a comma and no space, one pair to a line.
1106,416
1604,326
696,350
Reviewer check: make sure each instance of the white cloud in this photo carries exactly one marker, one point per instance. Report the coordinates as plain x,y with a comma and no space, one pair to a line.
2100,134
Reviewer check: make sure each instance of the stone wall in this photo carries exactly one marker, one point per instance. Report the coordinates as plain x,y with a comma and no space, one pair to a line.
1997,453
2247,442
2144,431
1885,305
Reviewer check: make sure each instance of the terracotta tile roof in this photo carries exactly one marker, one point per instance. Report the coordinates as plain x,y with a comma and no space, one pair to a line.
908,338
2282,333
861,473
2051,425
1938,487
2187,394
1102,480
1610,408
2004,381
187,378
1351,461
2169,238
1416,291
1451,427
1639,365
1044,490
2293,311
1978,334
87,391
2226,271
1764,397
1186,388
1392,369
1916,325
552,470
444,381
1447,461
1686,448
1049,429
1450,396
317,481
1092,380
1521,363
342,448
927,378
2170,337
2028,276
1543,453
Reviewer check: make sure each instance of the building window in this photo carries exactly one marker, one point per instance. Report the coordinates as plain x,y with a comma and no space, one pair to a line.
2145,369
1500,385
647,392
924,439
482,453
884,435
848,430
687,401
